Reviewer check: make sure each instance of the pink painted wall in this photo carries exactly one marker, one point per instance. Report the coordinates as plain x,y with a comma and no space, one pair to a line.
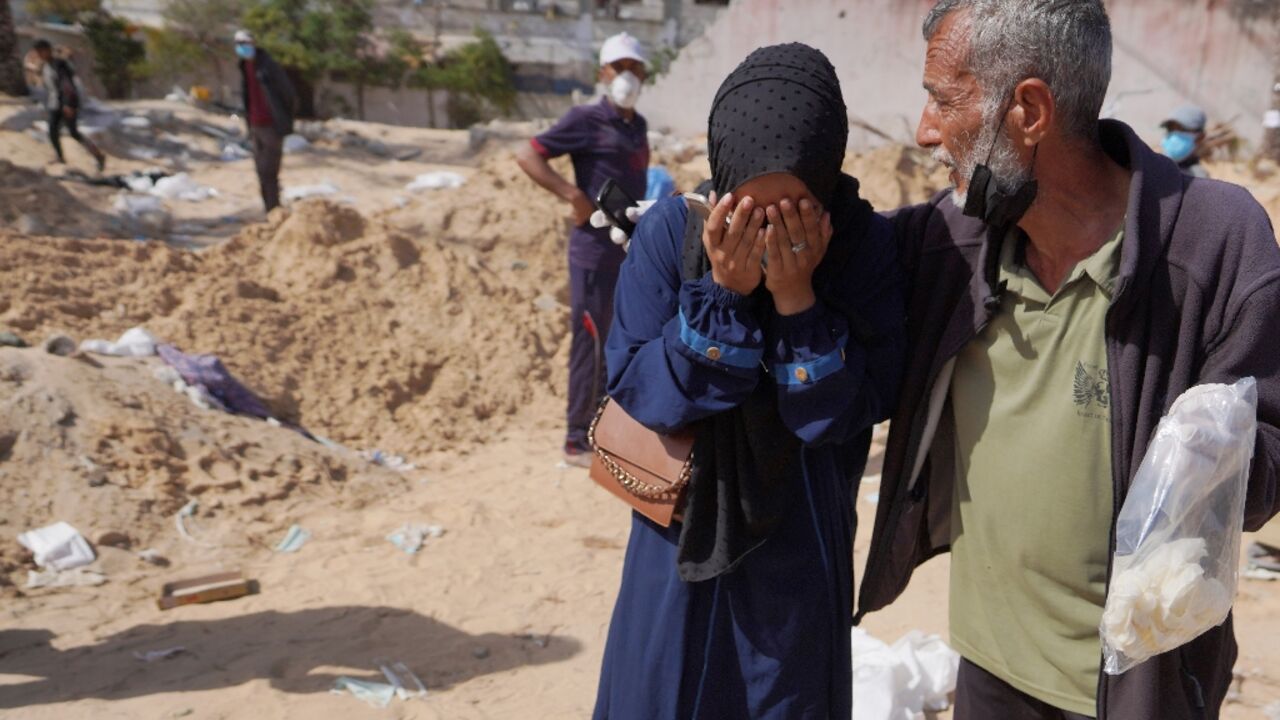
1167,52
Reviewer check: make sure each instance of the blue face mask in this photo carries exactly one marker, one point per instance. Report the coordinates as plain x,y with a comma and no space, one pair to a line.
245,52
1178,145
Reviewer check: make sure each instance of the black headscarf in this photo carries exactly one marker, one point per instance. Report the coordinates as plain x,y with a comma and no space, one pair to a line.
781,110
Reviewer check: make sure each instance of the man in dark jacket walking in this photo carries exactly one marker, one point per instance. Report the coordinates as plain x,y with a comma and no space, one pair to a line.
1051,323
269,103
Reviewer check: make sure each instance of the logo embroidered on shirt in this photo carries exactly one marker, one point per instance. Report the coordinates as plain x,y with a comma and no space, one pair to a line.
1092,388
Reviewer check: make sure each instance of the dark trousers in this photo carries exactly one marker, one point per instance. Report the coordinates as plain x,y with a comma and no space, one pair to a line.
983,696
590,291
268,149
57,120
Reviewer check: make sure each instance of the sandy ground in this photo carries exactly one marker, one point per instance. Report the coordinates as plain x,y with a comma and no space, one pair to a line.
503,616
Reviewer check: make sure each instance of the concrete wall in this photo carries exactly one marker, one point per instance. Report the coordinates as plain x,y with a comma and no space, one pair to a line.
1167,52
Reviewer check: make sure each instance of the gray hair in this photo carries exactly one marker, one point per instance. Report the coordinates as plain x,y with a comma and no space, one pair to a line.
1065,43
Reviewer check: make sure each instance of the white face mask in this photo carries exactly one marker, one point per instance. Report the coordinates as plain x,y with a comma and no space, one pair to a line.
625,90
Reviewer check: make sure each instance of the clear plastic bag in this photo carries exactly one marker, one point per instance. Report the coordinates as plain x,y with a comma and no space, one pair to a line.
1175,572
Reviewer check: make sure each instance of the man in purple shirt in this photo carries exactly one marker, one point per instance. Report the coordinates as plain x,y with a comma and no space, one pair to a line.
607,139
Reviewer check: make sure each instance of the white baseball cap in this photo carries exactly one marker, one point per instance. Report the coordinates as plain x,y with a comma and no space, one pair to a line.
243,36
621,47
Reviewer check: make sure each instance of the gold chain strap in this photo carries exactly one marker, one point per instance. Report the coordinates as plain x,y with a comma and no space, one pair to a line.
631,483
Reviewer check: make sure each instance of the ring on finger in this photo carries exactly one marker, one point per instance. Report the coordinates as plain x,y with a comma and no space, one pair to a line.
797,249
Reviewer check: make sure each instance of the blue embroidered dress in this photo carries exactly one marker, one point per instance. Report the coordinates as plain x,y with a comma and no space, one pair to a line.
770,639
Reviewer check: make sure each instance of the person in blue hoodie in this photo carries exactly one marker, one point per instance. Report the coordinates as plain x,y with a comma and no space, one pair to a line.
775,330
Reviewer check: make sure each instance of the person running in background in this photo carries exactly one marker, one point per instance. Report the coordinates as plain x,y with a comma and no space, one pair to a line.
608,139
63,95
1184,134
269,103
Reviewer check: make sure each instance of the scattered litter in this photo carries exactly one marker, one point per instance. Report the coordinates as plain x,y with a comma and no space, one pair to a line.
188,511
8,339
411,537
546,303
1272,711
439,180
398,674
197,395
387,460
208,373
293,540
153,557
1262,574
148,211
79,577
377,694
182,187
899,682
60,345
871,479
58,546
207,589
154,655
143,153
872,498
519,265
232,152
136,122
134,342
295,143
301,192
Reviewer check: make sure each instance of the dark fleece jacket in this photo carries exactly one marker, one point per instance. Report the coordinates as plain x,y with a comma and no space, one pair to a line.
1197,301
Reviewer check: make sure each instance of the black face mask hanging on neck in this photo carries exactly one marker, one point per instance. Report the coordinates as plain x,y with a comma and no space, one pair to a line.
985,200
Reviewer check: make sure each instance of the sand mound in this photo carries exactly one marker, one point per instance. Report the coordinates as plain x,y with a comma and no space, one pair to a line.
896,175
105,445
34,203
410,333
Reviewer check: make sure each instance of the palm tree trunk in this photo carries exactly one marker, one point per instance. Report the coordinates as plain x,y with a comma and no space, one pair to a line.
11,80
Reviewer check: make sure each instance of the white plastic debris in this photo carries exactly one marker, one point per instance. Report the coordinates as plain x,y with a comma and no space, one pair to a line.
377,694
901,681
136,122
153,655
138,205
135,342
293,540
412,536
439,180
302,192
187,512
232,152
295,143
79,577
387,460
58,546
197,394
182,187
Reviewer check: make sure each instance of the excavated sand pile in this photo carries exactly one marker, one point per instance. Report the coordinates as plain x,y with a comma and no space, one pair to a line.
409,333
104,444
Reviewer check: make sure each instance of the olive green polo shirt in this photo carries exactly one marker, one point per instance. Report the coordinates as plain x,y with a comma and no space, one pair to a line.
1032,510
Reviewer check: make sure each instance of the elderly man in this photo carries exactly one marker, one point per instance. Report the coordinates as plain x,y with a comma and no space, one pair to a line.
1070,288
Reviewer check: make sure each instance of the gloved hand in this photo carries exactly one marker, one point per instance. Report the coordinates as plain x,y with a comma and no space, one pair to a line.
634,213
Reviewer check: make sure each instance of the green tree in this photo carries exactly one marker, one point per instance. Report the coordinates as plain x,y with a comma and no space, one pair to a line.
65,11
196,37
337,36
480,81
11,80
117,56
